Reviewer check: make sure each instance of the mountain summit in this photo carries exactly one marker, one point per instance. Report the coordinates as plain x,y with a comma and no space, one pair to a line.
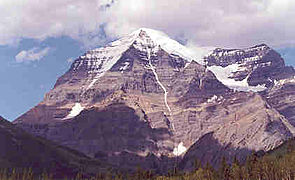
145,97
98,61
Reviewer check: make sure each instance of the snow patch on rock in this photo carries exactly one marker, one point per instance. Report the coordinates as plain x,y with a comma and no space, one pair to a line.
76,110
212,99
284,81
148,49
125,67
225,74
179,150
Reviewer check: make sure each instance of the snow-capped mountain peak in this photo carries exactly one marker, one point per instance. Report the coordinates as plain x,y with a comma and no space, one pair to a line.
160,39
100,60
235,68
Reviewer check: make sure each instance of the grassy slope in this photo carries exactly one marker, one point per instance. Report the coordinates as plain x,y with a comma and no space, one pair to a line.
19,149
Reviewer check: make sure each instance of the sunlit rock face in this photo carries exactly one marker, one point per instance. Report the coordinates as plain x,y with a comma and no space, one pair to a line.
255,68
144,97
282,97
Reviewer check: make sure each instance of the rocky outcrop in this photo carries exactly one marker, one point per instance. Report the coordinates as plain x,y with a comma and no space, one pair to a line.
282,97
254,124
258,65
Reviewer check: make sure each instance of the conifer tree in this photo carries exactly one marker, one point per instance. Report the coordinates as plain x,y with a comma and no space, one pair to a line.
224,169
236,172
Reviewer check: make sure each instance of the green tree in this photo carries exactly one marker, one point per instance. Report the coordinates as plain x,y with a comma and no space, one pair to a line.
224,170
236,170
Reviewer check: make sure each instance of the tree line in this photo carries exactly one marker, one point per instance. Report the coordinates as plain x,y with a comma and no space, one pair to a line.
276,165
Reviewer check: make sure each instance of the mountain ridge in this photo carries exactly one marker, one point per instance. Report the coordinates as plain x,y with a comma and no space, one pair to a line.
166,92
23,151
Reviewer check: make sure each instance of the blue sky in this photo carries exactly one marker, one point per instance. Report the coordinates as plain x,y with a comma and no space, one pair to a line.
288,54
23,85
37,38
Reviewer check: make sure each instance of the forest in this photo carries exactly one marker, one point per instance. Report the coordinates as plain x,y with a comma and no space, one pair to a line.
278,164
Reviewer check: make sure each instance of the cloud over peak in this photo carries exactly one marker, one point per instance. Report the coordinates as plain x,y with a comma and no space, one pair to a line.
228,23
33,54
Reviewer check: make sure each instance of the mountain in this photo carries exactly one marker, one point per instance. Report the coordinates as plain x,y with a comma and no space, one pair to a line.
146,100
22,150
256,68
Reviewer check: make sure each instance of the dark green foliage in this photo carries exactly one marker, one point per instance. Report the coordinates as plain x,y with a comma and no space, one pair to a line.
224,170
278,164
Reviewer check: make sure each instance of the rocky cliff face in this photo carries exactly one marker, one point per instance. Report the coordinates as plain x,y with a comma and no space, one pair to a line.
259,69
254,68
143,98
282,97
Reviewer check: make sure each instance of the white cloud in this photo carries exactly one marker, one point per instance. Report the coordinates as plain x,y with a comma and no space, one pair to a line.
211,23
227,23
51,18
33,54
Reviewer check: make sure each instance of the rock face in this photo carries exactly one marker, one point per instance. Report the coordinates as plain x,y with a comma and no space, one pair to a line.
251,67
142,98
282,97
